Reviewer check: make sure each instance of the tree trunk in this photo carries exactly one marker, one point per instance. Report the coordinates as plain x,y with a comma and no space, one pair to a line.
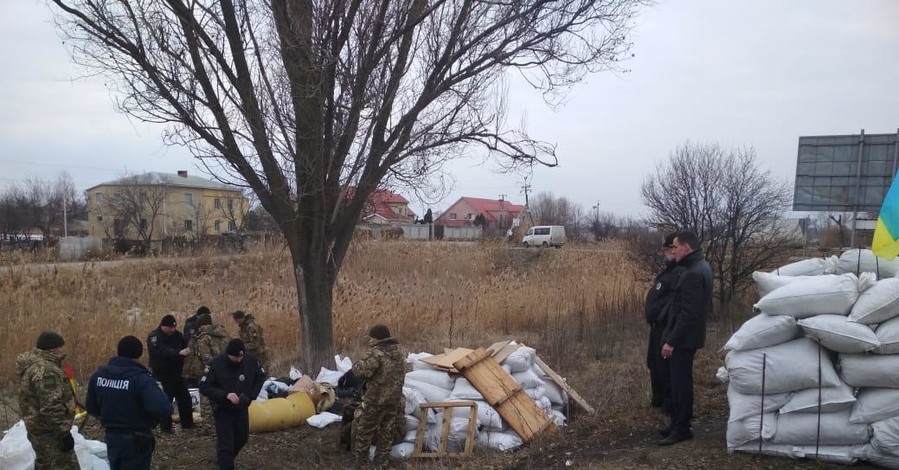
314,296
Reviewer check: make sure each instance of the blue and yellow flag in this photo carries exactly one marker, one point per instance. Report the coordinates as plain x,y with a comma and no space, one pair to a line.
886,235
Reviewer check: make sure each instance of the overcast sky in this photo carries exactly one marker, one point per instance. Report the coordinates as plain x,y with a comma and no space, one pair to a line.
738,72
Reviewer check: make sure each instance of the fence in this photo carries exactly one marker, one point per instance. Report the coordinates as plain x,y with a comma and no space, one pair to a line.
72,248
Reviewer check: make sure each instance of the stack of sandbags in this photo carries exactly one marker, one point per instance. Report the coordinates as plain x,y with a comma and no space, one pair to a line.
786,397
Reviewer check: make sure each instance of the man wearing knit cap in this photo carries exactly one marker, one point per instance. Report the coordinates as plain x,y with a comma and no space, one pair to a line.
167,348
383,369
124,395
47,403
251,335
208,341
231,382
190,324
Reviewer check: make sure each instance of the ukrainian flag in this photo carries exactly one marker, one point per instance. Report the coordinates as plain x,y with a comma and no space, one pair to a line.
886,235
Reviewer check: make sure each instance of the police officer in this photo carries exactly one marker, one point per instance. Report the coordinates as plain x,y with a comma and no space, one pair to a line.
383,369
167,348
124,395
47,403
231,381
658,302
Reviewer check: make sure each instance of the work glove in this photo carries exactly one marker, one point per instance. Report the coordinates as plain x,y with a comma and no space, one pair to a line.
67,442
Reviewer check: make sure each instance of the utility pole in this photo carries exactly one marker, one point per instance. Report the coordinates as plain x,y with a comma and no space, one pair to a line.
525,188
65,218
502,215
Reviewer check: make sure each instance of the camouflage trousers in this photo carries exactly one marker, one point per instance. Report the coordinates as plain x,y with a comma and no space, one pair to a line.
49,455
374,424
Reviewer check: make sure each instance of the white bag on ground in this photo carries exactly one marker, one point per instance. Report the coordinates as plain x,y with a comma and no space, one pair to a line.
836,333
433,377
91,454
743,406
463,390
861,261
812,296
870,370
762,331
16,452
521,359
489,417
881,459
413,399
789,366
831,399
888,335
808,267
846,455
750,429
501,441
835,429
402,451
875,404
528,379
323,419
877,304
886,436
411,423
432,393
767,282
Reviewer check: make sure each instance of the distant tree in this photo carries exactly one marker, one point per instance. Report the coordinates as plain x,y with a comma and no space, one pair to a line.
735,207
136,202
429,217
480,220
548,209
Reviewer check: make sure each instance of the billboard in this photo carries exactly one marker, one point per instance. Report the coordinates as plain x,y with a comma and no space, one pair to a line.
845,173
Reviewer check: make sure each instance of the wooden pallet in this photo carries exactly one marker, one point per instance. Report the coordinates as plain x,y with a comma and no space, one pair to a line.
447,407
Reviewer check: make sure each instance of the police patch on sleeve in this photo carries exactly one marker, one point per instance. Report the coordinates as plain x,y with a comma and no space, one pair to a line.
659,286
154,339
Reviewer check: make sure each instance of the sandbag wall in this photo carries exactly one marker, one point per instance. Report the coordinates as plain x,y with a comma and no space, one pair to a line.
815,374
426,384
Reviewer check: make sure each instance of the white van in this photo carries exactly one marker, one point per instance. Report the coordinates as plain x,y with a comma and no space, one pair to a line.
544,236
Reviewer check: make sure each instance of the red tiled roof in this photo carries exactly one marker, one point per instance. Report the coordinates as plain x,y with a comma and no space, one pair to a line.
489,208
380,201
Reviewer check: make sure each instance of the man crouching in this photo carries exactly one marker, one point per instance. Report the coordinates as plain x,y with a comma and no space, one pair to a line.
383,370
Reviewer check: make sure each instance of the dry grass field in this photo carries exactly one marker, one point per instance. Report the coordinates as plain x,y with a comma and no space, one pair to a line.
580,307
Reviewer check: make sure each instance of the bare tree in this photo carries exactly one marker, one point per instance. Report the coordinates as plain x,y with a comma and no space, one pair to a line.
548,209
315,103
735,207
137,202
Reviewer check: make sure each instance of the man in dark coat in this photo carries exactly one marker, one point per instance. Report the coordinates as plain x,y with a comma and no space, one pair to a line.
658,301
190,324
125,396
685,332
232,380
167,349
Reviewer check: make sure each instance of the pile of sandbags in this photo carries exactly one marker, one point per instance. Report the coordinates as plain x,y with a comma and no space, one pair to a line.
814,373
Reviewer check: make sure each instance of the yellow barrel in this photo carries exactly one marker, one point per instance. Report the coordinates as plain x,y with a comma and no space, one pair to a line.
280,413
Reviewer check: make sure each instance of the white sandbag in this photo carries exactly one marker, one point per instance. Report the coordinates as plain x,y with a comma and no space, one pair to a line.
555,393
789,366
16,452
323,419
411,423
811,296
328,376
875,404
489,417
401,451
861,261
417,361
722,375
413,400
743,406
410,436
835,429
463,390
535,393
455,440
557,417
886,435
845,455
528,379
501,441
762,331
830,399
870,370
767,282
836,333
521,359
881,459
753,428
888,335
433,377
877,304
91,454
806,267
432,393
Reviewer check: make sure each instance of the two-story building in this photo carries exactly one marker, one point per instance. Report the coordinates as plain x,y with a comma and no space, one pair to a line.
386,207
496,215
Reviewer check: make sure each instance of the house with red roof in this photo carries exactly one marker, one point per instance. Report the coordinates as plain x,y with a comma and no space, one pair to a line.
498,214
386,207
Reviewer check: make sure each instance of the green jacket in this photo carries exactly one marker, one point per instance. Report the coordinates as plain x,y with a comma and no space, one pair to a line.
208,342
383,369
45,395
251,334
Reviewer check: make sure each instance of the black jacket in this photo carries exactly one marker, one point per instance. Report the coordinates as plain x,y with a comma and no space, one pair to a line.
125,396
223,377
692,304
660,294
190,326
163,349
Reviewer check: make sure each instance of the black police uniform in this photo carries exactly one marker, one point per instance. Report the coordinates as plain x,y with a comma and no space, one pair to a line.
658,301
232,422
167,365
125,396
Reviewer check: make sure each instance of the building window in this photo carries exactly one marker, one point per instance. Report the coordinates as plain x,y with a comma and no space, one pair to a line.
143,224
218,223
98,198
452,216
230,204
469,216
188,199
99,218
218,203
188,225
232,226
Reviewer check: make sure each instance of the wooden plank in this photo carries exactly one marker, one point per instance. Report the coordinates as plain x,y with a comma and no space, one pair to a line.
445,360
471,359
524,416
562,383
442,451
496,385
503,353
495,347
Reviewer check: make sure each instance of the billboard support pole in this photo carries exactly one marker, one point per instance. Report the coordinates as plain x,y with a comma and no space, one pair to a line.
858,180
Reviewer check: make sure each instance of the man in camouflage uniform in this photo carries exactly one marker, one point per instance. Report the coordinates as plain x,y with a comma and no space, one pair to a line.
207,342
383,370
47,403
251,334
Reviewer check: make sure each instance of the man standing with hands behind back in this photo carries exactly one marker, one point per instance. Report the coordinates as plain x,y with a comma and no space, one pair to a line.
685,332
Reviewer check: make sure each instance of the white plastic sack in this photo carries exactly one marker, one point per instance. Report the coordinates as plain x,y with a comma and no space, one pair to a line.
463,390
323,419
743,406
831,399
401,451
886,436
431,392
417,361
835,429
91,454
489,417
15,450
844,455
877,304
521,359
807,267
555,393
836,333
413,400
433,377
457,434
870,370
881,459
722,375
329,376
535,393
750,429
501,441
557,417
344,364
767,282
295,373
762,331
788,367
888,336
861,261
528,379
875,404
814,295
411,423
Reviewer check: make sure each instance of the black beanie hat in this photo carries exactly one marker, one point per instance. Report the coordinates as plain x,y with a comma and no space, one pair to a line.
235,347
130,347
168,320
669,240
238,314
203,309
379,332
204,319
49,340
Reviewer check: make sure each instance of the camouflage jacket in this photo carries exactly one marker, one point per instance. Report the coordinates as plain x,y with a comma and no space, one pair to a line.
207,343
251,334
45,396
383,369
